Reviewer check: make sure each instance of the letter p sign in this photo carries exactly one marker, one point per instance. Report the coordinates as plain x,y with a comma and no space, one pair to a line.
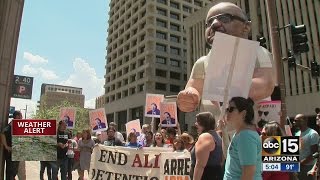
22,89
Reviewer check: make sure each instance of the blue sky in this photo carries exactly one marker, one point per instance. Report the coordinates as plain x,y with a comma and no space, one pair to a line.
63,42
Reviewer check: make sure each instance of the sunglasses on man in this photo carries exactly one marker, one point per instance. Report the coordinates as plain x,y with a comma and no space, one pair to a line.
224,18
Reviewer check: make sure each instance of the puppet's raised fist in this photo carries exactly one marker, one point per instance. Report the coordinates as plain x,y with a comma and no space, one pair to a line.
188,99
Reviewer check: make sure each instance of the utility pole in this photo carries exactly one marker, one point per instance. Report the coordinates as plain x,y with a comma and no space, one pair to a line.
275,46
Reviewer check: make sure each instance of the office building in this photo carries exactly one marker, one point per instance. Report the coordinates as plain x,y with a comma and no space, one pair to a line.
52,95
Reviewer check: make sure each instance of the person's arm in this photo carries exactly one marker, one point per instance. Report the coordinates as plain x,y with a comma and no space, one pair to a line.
263,83
314,149
203,147
248,172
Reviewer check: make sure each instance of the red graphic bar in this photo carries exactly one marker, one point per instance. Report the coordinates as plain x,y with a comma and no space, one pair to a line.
34,127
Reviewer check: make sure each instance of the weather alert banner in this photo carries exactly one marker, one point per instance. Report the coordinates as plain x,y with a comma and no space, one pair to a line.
98,120
153,105
122,163
68,114
175,166
34,140
168,116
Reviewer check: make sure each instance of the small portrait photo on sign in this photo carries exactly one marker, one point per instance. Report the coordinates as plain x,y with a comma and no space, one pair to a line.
98,120
68,114
168,116
268,111
153,105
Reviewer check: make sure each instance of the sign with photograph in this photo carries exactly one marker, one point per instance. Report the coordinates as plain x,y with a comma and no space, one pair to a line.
269,111
68,114
168,117
152,108
98,120
133,126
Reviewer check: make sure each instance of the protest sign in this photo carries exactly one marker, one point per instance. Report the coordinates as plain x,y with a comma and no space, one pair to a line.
152,107
98,120
269,111
168,116
133,126
225,70
34,140
109,163
175,166
68,114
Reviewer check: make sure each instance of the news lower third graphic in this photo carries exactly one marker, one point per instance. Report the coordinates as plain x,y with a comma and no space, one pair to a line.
280,153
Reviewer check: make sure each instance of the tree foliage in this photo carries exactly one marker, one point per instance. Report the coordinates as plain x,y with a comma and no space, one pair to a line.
82,115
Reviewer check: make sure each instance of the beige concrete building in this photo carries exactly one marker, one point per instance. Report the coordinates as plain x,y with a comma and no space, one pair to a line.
52,94
146,54
302,91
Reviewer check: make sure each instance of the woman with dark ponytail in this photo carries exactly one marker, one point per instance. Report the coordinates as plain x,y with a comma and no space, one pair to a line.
244,153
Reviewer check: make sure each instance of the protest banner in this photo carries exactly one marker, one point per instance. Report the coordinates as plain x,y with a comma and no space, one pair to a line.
122,163
133,126
68,114
169,117
34,140
269,111
152,107
98,120
225,71
175,166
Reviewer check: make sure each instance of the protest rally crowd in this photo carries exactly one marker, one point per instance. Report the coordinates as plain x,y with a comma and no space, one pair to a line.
211,159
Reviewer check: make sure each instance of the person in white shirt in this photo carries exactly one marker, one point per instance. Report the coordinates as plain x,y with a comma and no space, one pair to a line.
118,135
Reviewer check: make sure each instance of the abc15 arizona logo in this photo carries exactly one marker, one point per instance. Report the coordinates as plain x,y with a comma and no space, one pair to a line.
277,145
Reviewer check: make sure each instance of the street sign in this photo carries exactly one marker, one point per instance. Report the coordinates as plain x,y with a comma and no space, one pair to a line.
22,87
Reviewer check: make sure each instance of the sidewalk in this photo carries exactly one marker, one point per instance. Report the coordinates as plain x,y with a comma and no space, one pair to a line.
33,171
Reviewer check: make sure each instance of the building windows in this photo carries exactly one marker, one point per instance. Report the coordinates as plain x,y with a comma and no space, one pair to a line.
161,73
119,84
125,70
174,50
125,93
162,1
197,3
185,64
174,63
133,78
118,95
174,88
141,74
174,75
119,73
161,47
140,87
174,5
142,49
174,16
185,77
133,90
186,9
161,86
174,38
161,60
162,12
133,66
174,27
161,23
142,37
161,35
125,81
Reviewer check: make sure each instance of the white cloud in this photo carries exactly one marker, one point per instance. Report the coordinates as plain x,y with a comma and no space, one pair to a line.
34,59
48,74
91,103
28,70
20,105
43,73
85,77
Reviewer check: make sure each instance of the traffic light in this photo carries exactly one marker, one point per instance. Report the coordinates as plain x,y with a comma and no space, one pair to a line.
315,69
299,39
291,60
262,41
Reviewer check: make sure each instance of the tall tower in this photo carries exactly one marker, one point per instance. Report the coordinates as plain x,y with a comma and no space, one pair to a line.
146,53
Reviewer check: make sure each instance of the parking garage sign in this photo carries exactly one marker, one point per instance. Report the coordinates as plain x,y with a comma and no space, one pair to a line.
22,87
